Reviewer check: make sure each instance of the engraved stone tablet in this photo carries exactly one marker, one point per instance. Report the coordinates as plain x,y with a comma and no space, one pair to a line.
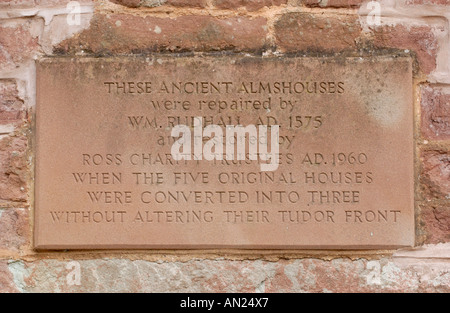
133,153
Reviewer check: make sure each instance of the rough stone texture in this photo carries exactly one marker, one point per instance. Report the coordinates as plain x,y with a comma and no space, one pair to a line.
16,3
434,2
6,279
435,176
14,229
128,3
58,3
411,26
332,3
419,39
301,275
13,169
11,106
188,3
249,5
17,45
435,104
435,220
315,32
111,34
157,3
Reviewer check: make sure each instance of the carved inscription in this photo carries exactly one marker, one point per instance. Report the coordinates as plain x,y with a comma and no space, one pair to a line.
106,175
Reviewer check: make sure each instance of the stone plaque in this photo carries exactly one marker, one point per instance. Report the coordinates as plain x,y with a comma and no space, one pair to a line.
133,153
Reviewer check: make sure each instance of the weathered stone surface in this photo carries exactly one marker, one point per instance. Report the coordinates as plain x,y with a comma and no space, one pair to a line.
21,33
59,3
435,104
418,38
129,3
17,45
358,129
13,169
111,34
188,3
433,2
12,110
435,220
316,32
401,274
157,3
14,229
25,6
249,5
16,3
435,176
7,284
332,3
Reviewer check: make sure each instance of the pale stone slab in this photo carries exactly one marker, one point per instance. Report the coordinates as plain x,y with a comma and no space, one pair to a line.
105,176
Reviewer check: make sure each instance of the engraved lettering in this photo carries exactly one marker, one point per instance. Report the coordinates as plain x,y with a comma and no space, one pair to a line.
224,151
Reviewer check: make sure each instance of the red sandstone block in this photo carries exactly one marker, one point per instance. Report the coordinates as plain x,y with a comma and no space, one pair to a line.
435,174
6,279
249,5
14,229
17,45
434,2
59,3
157,3
11,106
120,33
314,32
418,38
296,275
332,3
17,3
14,4
435,221
13,169
128,3
435,104
187,3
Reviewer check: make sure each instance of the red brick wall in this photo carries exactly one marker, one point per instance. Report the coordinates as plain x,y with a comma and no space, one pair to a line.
32,28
